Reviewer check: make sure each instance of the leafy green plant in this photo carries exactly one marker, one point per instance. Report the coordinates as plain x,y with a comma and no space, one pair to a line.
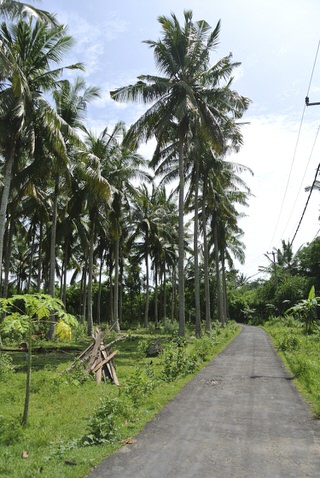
306,309
288,342
105,423
177,363
23,314
139,385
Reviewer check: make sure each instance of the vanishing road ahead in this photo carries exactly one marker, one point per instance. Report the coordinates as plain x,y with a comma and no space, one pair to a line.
240,417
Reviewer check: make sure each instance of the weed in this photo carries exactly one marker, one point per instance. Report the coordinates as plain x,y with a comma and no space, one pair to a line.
6,367
77,375
11,432
288,342
139,385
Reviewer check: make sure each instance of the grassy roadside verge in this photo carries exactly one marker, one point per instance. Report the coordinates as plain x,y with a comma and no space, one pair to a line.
74,423
300,353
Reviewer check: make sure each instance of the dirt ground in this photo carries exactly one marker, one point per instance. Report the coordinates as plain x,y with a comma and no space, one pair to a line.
240,417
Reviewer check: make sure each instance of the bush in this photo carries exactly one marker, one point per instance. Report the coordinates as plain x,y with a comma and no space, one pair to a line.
139,385
177,363
105,423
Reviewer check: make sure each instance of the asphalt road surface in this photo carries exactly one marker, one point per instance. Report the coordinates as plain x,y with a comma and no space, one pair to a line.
240,417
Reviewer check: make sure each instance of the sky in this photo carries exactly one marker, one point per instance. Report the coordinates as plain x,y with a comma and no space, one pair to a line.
276,42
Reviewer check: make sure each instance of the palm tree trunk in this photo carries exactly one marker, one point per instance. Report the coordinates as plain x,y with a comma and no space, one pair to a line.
100,291
156,309
224,290
8,246
5,198
53,236
116,324
220,314
84,292
90,277
182,320
120,290
31,258
164,315
206,266
196,253
146,308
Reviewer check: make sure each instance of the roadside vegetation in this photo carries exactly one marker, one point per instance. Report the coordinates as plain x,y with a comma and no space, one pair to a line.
74,423
300,352
286,304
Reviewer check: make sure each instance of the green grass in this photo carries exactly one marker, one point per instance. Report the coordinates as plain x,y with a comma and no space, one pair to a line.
68,411
301,354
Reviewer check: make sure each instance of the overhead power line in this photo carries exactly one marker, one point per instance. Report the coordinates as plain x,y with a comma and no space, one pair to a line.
297,143
302,180
306,205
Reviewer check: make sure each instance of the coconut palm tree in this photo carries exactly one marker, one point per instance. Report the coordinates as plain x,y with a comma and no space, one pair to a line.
11,9
29,71
185,95
120,166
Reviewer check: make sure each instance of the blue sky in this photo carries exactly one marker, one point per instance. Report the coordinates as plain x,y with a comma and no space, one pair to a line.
276,42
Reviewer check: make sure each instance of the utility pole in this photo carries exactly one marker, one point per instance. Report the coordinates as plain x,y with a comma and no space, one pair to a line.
274,263
311,104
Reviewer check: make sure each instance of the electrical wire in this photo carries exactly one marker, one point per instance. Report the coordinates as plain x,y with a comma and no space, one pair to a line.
296,147
306,205
302,180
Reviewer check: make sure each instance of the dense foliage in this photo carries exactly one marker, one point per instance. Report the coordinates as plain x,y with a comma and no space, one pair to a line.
73,222
287,284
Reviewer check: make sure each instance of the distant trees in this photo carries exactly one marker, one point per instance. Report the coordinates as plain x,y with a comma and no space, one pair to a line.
291,277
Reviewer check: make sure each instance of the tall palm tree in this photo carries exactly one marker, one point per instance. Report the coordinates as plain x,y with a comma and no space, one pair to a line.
29,58
120,166
224,189
186,94
12,8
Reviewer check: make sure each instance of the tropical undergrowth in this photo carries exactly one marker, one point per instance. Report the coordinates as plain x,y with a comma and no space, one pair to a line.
300,350
74,423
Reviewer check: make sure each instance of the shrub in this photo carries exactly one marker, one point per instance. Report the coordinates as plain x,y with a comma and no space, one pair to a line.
177,363
105,423
139,385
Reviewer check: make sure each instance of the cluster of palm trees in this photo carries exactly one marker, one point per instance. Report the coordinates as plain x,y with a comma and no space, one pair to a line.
79,205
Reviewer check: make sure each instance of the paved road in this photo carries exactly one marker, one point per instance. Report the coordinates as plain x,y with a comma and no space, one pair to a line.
240,417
